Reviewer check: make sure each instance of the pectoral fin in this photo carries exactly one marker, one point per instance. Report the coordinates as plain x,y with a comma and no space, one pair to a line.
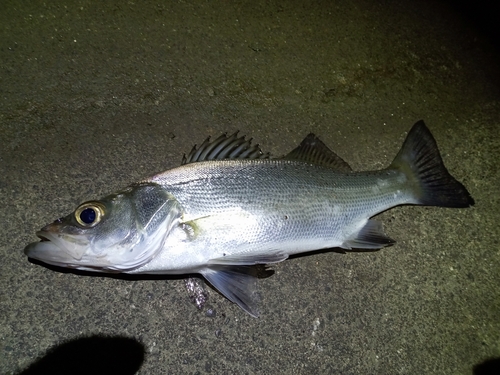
234,277
237,284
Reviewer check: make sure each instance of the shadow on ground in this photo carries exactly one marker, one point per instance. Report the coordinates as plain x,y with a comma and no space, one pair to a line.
483,15
91,355
489,367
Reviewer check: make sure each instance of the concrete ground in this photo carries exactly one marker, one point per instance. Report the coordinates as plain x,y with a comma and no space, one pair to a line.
97,95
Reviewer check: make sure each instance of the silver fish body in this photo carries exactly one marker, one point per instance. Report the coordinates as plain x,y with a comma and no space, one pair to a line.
217,217
250,208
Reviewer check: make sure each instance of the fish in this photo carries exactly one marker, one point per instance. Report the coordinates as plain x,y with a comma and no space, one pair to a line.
229,207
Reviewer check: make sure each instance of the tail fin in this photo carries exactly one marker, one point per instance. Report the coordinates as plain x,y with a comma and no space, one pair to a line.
431,182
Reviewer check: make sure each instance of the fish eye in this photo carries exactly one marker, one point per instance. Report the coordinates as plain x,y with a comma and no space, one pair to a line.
89,214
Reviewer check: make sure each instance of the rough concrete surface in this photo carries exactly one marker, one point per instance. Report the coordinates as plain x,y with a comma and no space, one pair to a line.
96,95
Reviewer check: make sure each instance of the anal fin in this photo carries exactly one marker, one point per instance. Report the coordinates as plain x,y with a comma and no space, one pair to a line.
371,236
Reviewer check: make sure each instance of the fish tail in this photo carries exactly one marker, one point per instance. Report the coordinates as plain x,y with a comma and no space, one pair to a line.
430,182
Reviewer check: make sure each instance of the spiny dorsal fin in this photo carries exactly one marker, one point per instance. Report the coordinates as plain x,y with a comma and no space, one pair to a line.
225,147
313,150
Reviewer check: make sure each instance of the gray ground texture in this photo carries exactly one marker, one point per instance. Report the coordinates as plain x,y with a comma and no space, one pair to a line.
96,95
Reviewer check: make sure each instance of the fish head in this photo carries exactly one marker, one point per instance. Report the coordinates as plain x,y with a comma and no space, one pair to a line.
117,233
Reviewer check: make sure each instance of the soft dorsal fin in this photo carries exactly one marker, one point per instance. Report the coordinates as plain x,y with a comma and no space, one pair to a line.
225,147
313,150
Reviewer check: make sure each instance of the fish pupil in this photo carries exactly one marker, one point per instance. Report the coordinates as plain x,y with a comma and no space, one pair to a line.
88,215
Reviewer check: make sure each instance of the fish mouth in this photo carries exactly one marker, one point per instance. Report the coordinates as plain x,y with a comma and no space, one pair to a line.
58,249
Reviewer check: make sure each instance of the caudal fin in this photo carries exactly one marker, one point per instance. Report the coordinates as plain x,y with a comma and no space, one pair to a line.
431,183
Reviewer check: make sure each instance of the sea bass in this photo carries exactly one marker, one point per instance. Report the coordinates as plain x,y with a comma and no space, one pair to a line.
229,206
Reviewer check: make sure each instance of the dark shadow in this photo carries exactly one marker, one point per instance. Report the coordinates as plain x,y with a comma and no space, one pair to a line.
260,271
94,355
111,275
336,250
484,15
489,367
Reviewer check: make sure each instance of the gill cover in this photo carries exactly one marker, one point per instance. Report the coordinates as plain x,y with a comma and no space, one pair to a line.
117,233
